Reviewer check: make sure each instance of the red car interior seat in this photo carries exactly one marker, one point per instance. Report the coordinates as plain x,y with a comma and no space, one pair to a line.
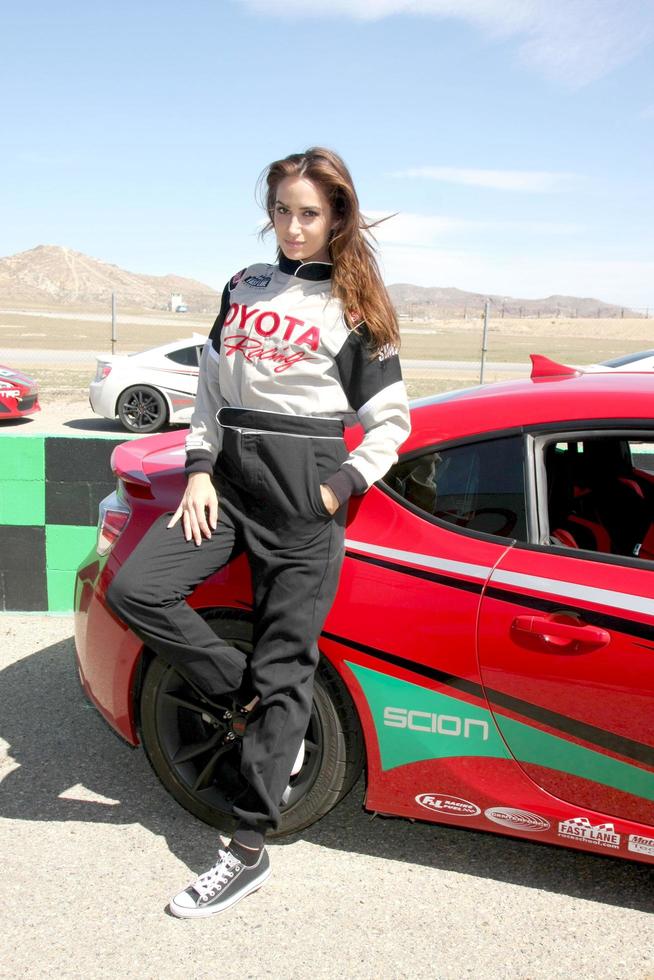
567,525
610,494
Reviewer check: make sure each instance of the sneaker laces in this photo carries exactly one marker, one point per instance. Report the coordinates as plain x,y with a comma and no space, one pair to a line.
212,880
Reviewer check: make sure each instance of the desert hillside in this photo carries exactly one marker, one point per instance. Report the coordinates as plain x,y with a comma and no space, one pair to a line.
55,277
430,301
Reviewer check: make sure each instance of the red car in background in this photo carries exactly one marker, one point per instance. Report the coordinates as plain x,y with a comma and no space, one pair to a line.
489,657
19,394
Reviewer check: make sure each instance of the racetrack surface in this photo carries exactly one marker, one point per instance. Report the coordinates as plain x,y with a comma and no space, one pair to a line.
92,847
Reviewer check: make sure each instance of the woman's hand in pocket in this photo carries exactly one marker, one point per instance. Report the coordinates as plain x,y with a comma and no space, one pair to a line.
329,499
198,508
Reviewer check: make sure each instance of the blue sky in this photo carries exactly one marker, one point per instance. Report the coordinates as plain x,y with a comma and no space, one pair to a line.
514,137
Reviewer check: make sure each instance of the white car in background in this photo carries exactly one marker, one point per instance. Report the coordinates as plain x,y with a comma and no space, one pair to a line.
151,389
642,360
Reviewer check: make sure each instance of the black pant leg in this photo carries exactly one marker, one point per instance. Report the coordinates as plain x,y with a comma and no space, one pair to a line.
294,588
149,594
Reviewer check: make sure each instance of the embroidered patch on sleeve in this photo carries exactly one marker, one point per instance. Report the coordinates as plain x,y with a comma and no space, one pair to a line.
234,281
260,282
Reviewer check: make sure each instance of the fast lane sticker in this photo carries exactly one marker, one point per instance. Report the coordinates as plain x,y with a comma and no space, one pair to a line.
580,828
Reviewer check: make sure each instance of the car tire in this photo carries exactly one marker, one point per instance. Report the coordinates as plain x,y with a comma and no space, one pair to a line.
142,409
182,733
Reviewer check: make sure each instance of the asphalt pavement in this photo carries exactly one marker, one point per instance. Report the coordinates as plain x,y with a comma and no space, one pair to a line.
92,847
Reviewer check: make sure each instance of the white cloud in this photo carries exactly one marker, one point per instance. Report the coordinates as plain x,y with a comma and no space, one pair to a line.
541,181
513,14
620,282
427,230
570,41
415,229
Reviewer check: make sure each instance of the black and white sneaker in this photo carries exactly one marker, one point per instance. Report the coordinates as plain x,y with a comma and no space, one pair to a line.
222,886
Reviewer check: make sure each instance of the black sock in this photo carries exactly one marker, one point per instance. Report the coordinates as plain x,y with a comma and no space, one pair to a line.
247,844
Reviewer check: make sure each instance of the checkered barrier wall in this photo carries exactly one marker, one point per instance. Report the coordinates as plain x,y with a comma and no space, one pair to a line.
50,488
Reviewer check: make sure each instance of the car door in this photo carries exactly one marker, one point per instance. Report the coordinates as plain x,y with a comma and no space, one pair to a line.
417,562
566,649
180,380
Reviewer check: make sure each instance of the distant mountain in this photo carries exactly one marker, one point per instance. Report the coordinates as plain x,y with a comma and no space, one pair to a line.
418,301
54,276
51,275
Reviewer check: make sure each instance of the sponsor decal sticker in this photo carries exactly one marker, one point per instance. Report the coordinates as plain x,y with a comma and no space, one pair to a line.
580,828
236,278
10,393
640,845
507,816
452,805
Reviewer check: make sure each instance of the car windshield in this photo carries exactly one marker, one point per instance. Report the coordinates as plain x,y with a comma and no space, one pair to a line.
627,359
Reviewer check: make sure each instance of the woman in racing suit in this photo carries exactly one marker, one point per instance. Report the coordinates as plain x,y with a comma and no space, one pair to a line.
299,348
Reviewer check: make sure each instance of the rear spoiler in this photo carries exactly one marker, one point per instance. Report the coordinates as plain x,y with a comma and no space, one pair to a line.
544,367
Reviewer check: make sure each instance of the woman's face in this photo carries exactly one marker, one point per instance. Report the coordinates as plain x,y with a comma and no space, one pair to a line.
303,220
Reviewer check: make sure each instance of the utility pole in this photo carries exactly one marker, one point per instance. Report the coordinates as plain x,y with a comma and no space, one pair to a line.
484,339
113,323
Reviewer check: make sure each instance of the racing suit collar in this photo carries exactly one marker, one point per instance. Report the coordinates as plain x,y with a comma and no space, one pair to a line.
313,271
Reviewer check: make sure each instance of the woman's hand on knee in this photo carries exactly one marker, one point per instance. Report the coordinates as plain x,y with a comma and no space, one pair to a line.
198,508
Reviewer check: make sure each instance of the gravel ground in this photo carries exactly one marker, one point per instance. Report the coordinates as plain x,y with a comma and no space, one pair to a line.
92,847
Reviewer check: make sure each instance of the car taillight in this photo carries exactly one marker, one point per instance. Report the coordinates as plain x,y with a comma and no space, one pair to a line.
102,371
114,515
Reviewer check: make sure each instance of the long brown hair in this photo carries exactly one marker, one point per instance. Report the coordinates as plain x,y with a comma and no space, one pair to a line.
356,280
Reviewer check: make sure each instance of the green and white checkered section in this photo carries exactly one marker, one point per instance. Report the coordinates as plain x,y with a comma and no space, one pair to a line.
50,488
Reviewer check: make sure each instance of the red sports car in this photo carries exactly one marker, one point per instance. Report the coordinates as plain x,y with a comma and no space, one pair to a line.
489,657
18,394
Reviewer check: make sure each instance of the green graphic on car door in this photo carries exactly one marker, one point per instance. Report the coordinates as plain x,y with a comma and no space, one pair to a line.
414,723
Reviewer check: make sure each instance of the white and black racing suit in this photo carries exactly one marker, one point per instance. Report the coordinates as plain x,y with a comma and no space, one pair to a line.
280,376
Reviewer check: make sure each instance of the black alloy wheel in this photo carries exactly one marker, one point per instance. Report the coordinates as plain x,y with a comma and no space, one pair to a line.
194,746
142,409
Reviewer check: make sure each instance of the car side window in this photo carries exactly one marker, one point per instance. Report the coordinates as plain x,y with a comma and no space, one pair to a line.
600,494
188,356
479,486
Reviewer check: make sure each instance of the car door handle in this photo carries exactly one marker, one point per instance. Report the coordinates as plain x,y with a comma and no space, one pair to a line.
561,631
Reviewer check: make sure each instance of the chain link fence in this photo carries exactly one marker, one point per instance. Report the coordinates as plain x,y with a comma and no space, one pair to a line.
526,310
